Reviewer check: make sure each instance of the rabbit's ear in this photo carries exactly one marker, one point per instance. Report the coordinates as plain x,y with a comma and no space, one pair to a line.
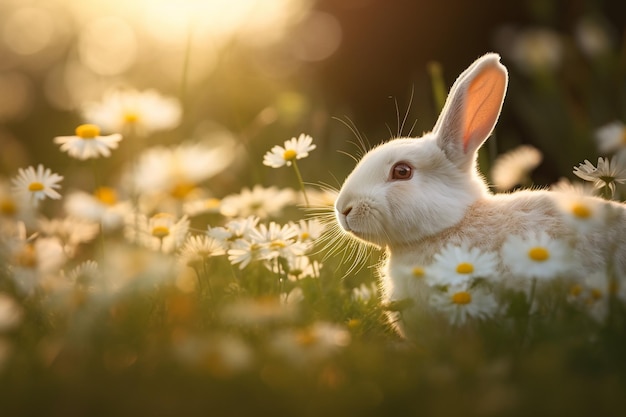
472,109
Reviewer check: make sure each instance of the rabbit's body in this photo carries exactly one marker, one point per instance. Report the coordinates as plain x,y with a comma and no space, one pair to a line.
415,196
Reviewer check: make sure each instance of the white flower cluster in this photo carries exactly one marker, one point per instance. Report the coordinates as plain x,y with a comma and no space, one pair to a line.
161,192
283,249
464,282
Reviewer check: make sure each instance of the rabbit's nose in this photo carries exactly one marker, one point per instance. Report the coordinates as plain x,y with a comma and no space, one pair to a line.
346,211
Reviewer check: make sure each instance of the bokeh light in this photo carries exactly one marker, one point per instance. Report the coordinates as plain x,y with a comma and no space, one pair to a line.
176,255
107,46
16,96
28,30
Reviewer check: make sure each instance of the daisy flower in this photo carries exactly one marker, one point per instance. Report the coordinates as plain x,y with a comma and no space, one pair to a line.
88,143
202,205
71,231
8,202
259,311
308,230
243,251
606,174
462,302
85,274
365,292
264,243
132,111
36,185
280,240
260,201
322,198
537,50
11,313
294,149
580,189
456,265
161,232
83,282
222,355
35,261
294,296
303,346
103,206
592,295
298,267
536,255
592,37
411,281
177,170
513,168
611,137
233,230
14,208
197,249
583,212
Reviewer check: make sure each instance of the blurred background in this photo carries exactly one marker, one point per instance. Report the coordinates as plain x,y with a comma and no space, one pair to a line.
261,72
271,69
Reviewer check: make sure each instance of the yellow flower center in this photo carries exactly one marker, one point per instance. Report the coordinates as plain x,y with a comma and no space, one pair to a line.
212,203
106,195
35,186
538,254
464,268
581,211
160,231
182,189
462,298
289,155
27,257
8,207
418,272
353,323
304,236
306,338
87,131
131,117
596,294
278,244
576,290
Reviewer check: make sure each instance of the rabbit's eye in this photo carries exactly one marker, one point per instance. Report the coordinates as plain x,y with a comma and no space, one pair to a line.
401,171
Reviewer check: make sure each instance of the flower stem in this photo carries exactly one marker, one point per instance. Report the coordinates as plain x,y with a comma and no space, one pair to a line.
97,184
185,71
531,300
297,170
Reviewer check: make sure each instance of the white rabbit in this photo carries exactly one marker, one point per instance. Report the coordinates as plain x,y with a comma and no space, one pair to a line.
414,196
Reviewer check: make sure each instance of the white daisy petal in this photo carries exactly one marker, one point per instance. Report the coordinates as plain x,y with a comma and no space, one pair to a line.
88,143
294,148
460,302
456,265
512,168
536,256
37,185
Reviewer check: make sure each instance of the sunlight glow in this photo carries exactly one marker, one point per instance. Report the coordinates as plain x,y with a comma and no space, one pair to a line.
170,21
28,30
108,46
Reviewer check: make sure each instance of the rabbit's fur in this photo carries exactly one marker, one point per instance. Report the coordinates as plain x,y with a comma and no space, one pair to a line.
445,200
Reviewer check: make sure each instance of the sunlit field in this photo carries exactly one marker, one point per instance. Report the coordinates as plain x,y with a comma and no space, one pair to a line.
169,243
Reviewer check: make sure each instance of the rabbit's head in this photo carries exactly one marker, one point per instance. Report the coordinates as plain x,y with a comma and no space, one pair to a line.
408,188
